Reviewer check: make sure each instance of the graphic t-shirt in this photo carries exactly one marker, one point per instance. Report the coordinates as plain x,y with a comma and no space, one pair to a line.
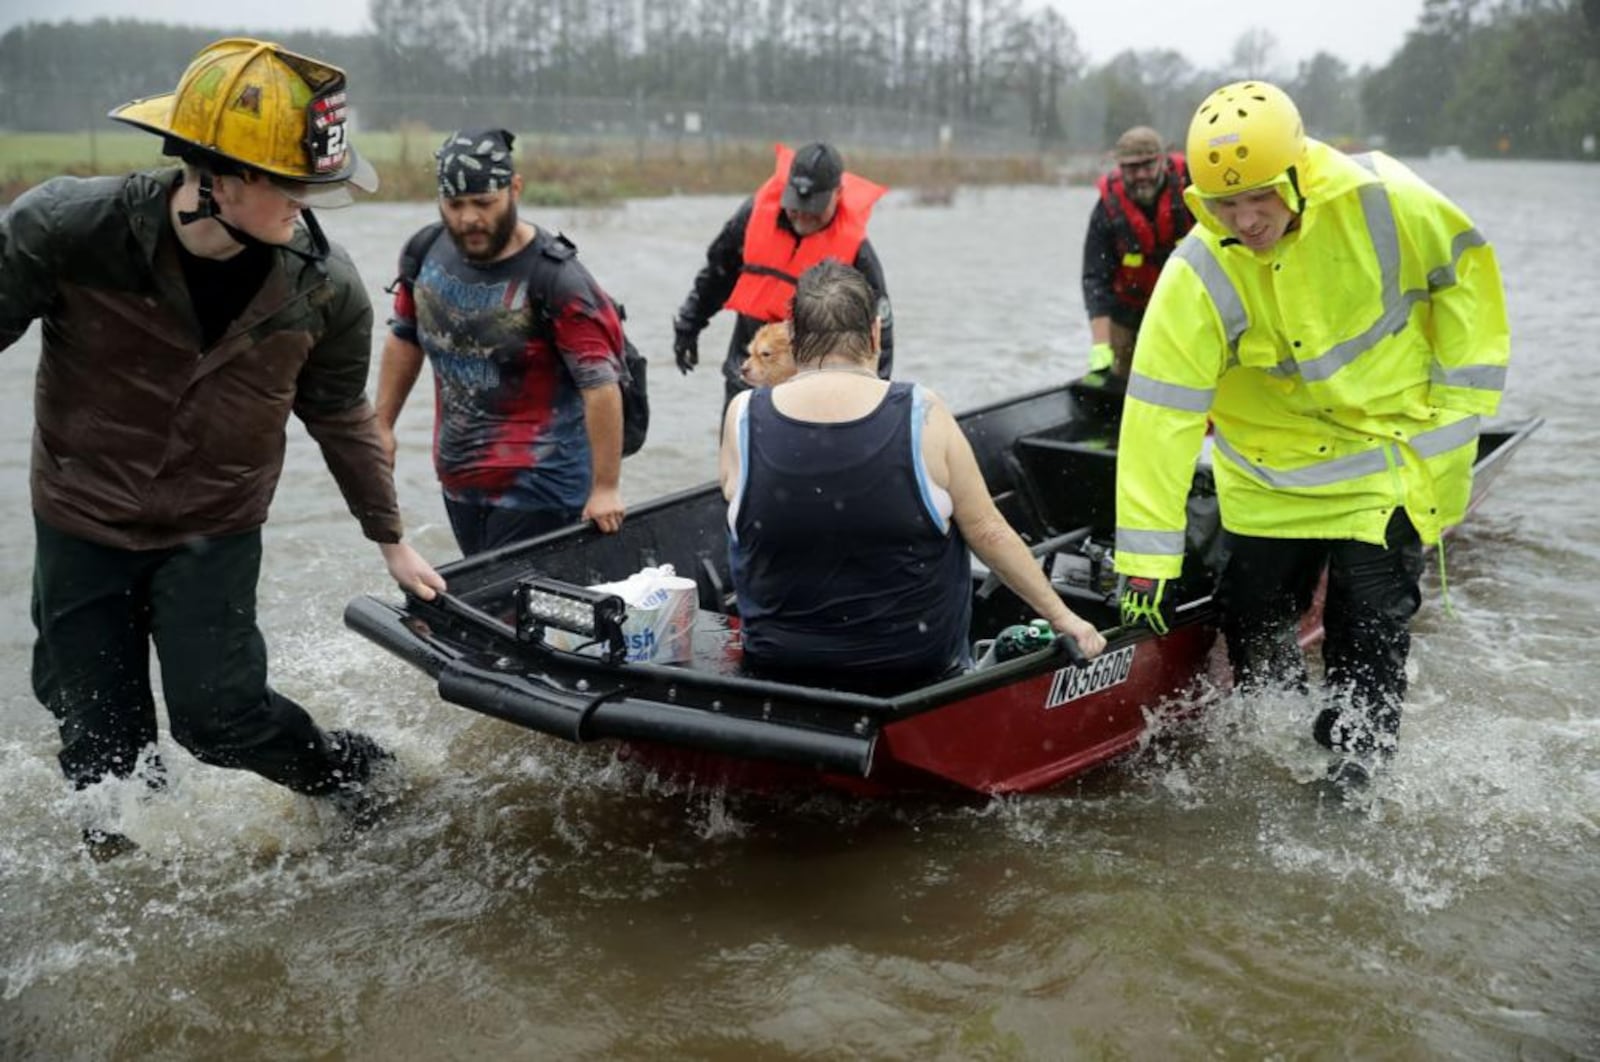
509,428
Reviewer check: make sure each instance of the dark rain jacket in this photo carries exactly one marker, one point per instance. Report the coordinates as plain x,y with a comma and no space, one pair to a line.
724,264
143,439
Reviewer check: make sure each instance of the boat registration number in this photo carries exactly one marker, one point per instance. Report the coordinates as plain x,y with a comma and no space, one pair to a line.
1071,683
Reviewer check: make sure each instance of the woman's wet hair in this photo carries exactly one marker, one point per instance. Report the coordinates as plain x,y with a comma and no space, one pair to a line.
834,308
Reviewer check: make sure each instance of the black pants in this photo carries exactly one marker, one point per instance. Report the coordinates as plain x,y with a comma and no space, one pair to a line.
481,528
97,610
1373,591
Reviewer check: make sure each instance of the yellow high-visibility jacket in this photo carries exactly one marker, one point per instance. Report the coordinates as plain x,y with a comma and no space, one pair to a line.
1344,370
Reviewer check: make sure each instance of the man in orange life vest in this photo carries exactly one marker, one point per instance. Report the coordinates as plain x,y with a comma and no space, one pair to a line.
1138,220
808,210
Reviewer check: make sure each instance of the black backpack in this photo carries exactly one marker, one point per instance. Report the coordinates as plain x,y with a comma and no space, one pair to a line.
635,397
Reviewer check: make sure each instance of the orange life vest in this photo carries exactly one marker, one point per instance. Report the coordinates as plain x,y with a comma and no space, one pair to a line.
1143,248
774,258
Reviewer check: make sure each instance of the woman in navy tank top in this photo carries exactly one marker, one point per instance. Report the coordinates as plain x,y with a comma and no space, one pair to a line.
852,503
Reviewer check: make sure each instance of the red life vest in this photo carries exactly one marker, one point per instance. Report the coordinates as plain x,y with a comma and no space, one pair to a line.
774,259
1144,249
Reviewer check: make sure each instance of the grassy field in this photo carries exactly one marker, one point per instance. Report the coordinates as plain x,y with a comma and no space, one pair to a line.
556,170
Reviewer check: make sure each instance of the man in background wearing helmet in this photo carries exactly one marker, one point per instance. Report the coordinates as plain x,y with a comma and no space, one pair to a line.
526,351
808,210
187,312
1137,221
1344,327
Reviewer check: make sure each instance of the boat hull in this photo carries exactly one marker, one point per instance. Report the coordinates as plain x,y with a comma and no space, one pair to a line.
1018,726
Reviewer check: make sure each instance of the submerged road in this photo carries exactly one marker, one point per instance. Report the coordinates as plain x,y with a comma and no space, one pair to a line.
532,900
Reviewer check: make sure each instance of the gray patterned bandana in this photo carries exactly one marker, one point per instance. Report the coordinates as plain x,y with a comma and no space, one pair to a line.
474,162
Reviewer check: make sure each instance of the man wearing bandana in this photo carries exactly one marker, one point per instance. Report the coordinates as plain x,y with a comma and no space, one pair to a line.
526,352
809,210
186,313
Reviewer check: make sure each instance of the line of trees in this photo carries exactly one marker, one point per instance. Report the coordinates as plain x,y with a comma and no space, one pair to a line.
965,60
1518,77
1514,76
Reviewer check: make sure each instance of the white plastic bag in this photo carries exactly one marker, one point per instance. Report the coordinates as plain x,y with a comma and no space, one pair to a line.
661,612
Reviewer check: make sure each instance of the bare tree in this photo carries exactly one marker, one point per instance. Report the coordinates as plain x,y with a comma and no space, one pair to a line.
1254,53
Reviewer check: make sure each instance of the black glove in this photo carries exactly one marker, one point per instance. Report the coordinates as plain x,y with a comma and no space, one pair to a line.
685,346
1141,601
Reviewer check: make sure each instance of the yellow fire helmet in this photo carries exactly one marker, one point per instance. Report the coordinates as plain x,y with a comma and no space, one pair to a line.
271,110
1243,136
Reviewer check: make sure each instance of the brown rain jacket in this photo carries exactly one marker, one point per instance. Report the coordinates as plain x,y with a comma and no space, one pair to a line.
142,439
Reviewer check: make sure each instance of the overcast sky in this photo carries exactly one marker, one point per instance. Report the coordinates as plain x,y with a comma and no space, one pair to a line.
1357,31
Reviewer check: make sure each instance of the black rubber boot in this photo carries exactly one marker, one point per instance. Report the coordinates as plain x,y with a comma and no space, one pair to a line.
362,797
1350,774
102,846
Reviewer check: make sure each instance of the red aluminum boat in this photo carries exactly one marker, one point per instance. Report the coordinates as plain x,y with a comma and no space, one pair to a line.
1017,726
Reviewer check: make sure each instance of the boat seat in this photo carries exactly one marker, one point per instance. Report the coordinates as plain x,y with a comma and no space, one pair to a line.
1072,483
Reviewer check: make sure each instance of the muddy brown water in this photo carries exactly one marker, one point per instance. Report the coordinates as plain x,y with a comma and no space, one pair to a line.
531,900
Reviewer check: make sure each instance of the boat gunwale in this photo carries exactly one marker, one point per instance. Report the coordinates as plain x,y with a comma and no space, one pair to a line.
463,646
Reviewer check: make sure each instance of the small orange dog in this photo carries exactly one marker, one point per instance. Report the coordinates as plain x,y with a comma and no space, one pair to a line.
768,359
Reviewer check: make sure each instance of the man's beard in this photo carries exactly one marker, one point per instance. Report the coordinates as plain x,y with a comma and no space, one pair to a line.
1145,192
499,237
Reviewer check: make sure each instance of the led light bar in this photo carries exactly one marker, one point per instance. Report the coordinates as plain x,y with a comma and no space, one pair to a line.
545,603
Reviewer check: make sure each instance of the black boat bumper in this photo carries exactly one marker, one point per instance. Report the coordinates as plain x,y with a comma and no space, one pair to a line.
579,716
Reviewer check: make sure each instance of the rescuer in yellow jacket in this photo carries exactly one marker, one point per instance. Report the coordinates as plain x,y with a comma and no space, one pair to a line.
1342,326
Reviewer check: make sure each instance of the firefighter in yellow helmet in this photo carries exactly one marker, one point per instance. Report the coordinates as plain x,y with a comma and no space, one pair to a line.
1342,326
187,313
250,109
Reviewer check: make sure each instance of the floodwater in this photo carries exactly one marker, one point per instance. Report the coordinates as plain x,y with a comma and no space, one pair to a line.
529,900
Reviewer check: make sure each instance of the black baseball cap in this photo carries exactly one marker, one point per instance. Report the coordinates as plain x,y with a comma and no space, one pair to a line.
814,173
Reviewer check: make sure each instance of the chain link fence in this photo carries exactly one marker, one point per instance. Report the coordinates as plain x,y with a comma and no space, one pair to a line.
646,125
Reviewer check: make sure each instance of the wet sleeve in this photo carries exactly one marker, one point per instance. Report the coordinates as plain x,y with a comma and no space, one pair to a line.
1176,367
1099,264
27,272
588,332
872,269
403,314
331,400
715,281
1467,324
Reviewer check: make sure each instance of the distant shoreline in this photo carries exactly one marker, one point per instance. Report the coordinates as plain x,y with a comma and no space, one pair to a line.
556,174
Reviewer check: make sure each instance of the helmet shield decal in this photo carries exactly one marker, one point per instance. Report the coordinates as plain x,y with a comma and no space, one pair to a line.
327,115
326,143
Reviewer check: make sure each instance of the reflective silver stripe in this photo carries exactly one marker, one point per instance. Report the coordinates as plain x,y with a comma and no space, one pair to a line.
1320,474
1445,275
1396,312
1385,237
1482,377
1286,367
1443,440
1354,466
1381,230
1392,317
1150,543
1172,396
1224,296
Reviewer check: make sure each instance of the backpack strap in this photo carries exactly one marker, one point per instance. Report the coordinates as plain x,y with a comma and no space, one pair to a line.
542,285
413,254
555,253
559,248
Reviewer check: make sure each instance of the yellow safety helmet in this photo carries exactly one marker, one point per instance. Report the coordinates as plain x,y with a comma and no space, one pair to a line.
1243,136
253,103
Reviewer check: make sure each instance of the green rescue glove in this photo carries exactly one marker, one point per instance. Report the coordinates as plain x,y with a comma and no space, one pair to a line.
1101,357
1142,602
